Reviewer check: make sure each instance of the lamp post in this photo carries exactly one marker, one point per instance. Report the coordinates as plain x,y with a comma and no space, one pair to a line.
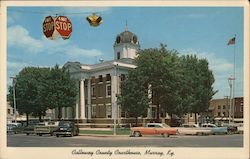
14,95
230,82
115,103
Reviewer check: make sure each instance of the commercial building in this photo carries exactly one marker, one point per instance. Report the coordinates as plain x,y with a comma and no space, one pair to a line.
220,109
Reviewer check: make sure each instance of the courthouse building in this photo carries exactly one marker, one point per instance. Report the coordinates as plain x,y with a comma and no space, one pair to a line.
99,84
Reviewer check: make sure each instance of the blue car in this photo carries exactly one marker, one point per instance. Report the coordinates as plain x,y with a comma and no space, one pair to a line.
215,130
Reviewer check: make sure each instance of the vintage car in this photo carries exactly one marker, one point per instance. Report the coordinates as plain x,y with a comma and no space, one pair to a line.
153,129
193,129
68,128
11,127
240,128
46,128
215,130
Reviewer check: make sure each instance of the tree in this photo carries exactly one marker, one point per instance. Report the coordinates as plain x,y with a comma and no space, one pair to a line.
161,69
40,89
60,90
28,92
133,98
200,80
180,84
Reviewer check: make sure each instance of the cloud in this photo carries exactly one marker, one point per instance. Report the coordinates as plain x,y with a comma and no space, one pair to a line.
76,52
215,63
19,37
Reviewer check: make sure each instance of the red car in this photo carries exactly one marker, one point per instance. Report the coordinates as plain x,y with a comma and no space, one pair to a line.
153,129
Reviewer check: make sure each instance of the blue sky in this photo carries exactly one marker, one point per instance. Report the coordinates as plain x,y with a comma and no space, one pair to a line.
203,31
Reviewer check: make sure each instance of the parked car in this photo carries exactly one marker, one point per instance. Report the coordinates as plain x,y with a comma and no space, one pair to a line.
23,128
46,128
153,129
240,128
68,128
193,129
215,130
11,127
231,128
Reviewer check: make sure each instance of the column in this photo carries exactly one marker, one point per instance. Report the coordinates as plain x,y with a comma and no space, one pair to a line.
77,101
82,99
63,112
149,112
69,112
89,98
77,111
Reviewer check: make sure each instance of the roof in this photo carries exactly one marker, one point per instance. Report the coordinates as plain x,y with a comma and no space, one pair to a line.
126,37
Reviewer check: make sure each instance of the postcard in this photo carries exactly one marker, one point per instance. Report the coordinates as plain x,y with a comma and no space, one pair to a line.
124,79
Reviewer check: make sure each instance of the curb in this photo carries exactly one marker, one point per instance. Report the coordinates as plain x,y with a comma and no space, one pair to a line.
103,135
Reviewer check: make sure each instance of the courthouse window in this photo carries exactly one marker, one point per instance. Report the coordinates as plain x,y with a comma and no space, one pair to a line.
100,78
108,90
108,77
93,93
108,111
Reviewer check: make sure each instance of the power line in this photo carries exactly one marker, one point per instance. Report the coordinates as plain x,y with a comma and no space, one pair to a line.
51,12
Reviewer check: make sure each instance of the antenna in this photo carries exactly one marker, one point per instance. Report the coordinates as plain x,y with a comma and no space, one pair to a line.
126,27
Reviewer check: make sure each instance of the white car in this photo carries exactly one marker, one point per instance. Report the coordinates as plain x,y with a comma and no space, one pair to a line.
240,128
193,129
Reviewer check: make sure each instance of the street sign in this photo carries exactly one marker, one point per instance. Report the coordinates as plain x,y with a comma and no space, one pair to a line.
63,26
48,26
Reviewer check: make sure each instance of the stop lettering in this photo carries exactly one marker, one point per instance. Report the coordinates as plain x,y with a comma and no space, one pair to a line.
64,26
48,26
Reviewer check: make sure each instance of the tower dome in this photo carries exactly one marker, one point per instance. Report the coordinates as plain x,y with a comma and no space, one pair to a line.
126,45
126,37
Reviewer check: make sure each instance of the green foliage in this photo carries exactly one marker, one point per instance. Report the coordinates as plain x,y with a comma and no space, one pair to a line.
133,97
180,84
40,89
61,90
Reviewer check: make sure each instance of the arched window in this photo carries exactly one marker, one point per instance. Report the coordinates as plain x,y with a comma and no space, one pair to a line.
118,55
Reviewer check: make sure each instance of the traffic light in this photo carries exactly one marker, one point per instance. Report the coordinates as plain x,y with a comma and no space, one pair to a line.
94,20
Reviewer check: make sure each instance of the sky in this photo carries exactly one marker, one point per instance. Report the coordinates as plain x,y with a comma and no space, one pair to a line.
203,31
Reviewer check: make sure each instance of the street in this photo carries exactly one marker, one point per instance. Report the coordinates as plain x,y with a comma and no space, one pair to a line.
22,140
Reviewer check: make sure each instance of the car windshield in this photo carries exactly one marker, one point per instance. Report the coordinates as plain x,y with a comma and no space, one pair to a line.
165,125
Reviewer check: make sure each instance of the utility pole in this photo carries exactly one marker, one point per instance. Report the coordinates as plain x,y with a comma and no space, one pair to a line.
14,95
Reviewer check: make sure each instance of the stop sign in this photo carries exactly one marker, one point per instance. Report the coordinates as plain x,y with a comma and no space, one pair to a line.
63,26
48,26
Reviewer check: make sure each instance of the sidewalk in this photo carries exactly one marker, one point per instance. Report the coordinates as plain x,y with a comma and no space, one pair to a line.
102,129
103,132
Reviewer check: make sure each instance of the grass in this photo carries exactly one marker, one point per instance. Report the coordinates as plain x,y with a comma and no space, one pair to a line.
119,131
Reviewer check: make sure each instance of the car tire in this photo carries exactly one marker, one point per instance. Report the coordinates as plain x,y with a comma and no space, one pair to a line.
40,134
165,135
137,134
27,134
57,135
199,133
72,134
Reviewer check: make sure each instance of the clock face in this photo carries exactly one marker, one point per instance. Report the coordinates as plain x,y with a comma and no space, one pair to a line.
134,39
118,39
